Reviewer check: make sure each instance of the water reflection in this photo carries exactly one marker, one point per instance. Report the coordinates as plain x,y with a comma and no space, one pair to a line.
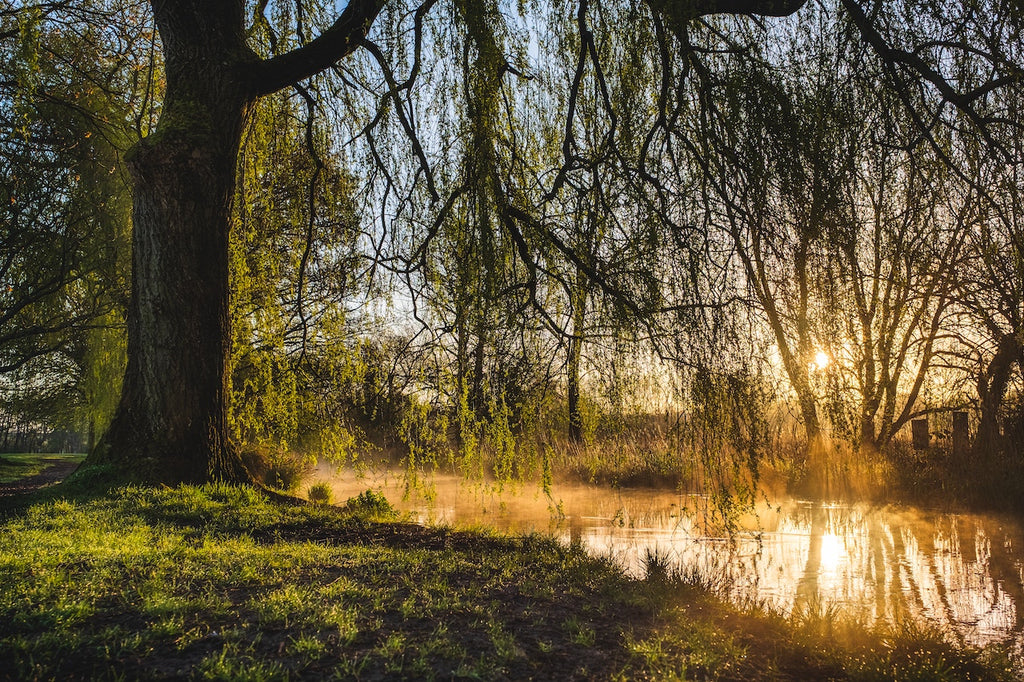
960,571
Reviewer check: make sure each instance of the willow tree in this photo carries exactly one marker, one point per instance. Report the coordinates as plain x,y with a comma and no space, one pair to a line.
846,225
67,113
293,270
171,424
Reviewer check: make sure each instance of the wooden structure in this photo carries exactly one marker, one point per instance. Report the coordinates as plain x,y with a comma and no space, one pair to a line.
961,434
919,431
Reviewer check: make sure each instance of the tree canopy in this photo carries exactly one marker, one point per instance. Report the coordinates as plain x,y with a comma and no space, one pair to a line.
530,188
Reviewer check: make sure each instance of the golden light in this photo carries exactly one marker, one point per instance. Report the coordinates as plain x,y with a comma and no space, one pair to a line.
821,359
832,551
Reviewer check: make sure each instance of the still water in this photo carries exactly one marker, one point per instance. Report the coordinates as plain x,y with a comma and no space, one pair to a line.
963,572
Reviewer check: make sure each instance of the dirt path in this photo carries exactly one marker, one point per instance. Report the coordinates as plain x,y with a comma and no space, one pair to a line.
53,474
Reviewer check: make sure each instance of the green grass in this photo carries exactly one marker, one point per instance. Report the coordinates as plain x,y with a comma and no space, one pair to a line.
18,466
220,583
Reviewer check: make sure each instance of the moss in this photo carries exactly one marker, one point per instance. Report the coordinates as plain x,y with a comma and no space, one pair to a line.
184,123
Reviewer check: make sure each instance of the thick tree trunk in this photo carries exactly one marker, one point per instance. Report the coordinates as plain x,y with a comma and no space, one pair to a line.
171,424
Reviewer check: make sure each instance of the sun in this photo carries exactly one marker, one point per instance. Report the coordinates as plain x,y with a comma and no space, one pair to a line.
821,359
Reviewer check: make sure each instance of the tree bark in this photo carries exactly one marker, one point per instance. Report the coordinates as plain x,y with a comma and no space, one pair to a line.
172,419
171,424
573,388
992,386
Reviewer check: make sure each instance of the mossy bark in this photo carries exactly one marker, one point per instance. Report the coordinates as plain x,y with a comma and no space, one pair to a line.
171,424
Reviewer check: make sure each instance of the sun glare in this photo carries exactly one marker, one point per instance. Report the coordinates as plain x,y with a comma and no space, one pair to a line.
832,551
821,359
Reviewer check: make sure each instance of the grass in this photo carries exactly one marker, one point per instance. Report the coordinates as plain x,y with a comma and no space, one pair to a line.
18,466
219,582
645,455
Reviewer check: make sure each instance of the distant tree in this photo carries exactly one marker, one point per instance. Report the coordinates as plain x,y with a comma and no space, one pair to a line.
991,284
839,186
957,70
893,243
787,136
68,111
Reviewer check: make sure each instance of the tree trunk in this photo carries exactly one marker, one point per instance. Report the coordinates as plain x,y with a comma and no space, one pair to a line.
992,386
866,442
573,390
574,355
171,423
868,439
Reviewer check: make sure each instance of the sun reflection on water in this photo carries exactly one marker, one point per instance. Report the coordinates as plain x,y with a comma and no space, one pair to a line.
832,552
961,572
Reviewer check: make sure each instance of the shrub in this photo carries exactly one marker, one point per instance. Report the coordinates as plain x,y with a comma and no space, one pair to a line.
371,504
320,493
280,469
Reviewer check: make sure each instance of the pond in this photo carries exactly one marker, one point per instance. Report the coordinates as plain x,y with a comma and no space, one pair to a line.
883,563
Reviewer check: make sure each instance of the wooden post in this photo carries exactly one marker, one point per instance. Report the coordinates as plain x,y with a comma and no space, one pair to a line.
961,434
919,430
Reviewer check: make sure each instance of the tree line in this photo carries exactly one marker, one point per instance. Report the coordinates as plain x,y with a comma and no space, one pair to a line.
448,225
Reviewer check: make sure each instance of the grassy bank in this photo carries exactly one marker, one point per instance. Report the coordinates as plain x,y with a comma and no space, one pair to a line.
221,583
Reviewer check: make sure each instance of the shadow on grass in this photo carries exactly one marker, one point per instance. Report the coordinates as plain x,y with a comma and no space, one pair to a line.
221,582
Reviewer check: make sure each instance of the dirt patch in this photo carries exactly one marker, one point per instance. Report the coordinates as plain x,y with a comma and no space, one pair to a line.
53,474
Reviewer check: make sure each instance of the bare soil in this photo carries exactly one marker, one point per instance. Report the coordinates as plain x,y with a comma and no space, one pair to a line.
52,475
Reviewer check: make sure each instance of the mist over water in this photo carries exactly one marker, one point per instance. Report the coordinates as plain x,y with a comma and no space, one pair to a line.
962,572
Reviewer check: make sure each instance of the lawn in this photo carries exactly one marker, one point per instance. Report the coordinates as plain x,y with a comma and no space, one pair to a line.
221,582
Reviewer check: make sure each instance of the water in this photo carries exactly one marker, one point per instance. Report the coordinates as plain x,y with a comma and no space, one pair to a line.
962,572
